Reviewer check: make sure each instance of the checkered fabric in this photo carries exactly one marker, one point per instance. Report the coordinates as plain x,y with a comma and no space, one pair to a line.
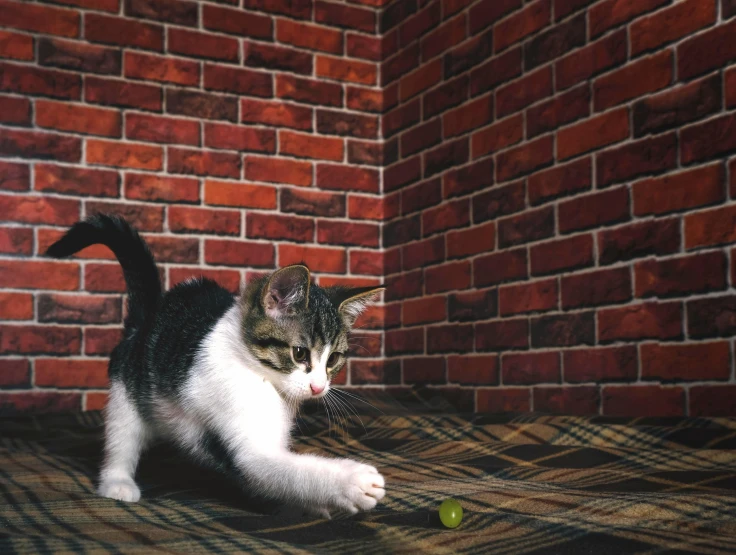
528,484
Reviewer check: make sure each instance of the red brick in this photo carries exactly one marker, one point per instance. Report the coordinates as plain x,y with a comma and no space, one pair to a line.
421,137
196,162
424,310
31,144
143,217
708,140
16,306
503,400
162,69
558,111
229,279
375,263
563,254
277,170
162,189
318,259
587,62
633,80
502,335
312,203
420,79
78,56
123,32
239,253
308,90
450,338
649,400
594,210
446,216
554,42
529,226
399,65
225,193
37,81
524,92
593,133
104,278
54,372
671,193
473,370
351,178
526,22
365,47
698,361
498,136
342,233
40,339
15,373
340,69
40,402
417,25
80,119
530,368
488,12
602,287
454,275
201,105
710,228
39,210
231,79
423,253
122,94
278,114
563,330
445,96
173,249
567,400
156,129
365,100
654,237
309,146
237,22
170,11
331,122
528,297
602,364
713,400
468,117
469,179
710,50
16,46
269,226
341,281
643,321
16,240
472,241
400,118
309,36
608,14
94,400
400,232
404,341
268,56
560,180
653,155
510,265
15,111
243,139
36,18
497,71
682,19
345,16
375,371
76,181
101,341
402,174
681,276
202,45
125,155
524,159
200,220
444,37
14,177
380,317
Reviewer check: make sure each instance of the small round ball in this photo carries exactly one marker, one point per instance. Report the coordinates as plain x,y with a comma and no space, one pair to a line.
451,513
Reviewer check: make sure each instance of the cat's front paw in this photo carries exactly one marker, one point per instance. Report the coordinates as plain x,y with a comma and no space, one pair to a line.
359,486
122,489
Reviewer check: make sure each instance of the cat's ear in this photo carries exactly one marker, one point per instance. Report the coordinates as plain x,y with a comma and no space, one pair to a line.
352,301
287,291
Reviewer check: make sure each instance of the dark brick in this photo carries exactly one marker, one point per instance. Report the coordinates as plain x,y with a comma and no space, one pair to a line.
595,210
79,56
201,105
712,317
564,330
700,273
498,202
567,400
445,96
499,267
530,368
421,196
603,364
312,203
527,227
564,254
555,42
555,113
602,287
353,125
502,335
473,305
655,237
450,338
470,54
401,231
643,321
560,181
170,11
634,159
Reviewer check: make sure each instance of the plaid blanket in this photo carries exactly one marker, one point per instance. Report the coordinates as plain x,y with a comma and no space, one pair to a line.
528,484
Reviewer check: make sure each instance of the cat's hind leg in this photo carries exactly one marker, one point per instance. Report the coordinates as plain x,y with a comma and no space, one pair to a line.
125,437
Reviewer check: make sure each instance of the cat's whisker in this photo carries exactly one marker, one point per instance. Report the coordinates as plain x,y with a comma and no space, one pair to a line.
338,415
358,398
346,404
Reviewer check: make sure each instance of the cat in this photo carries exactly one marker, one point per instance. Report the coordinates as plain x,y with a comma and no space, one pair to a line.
222,377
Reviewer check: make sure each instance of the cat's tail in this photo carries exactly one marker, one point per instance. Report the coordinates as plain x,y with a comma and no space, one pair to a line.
139,268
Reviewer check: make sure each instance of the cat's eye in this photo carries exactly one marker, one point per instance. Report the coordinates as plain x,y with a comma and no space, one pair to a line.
300,354
333,359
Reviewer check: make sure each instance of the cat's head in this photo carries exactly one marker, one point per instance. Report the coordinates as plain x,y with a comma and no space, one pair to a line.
298,331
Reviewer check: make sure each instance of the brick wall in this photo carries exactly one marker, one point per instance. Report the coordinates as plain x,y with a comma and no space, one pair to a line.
561,193
544,185
236,137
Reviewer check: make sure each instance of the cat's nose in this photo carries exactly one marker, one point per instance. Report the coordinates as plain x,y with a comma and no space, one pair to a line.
317,389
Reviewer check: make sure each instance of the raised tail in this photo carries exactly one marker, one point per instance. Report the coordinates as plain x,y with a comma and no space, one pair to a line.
139,268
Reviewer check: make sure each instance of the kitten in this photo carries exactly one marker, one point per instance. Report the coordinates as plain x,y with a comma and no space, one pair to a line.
222,377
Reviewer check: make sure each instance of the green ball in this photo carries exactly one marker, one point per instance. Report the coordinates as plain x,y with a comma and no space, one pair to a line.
451,513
